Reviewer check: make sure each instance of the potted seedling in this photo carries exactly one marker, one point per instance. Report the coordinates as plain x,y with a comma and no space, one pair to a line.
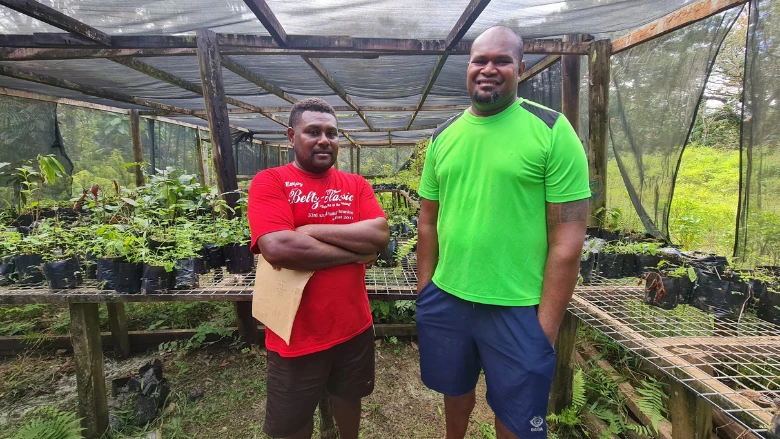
238,256
60,266
29,259
646,256
28,182
722,295
588,260
9,242
669,286
616,260
213,250
186,256
157,273
766,291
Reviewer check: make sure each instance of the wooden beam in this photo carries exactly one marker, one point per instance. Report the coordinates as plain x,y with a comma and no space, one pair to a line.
351,139
138,147
57,19
352,159
62,101
538,67
598,118
201,164
563,377
465,21
337,108
117,322
235,67
357,162
90,90
428,87
570,86
691,415
266,16
17,47
219,125
323,73
164,76
92,404
675,20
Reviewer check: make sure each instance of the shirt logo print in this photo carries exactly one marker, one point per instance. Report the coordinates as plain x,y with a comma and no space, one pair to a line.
536,423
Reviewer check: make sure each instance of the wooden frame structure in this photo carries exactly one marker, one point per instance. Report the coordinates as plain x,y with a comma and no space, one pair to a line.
81,41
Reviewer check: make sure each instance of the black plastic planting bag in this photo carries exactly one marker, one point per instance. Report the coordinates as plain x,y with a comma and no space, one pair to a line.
238,258
28,269
666,291
386,257
215,256
768,307
586,268
645,263
127,277
186,276
105,273
201,266
7,269
62,275
720,297
155,279
615,266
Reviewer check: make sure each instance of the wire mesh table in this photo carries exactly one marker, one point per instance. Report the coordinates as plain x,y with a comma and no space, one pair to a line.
735,366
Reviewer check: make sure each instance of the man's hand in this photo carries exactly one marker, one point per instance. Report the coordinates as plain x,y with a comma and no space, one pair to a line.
550,329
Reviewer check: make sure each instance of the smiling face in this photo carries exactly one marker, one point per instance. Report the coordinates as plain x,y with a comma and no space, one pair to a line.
315,140
494,67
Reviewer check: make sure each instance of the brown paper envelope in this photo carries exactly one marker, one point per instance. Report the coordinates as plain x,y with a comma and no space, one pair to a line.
276,296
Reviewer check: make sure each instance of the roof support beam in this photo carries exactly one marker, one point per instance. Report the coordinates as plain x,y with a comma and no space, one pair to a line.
465,21
232,65
372,108
22,47
57,19
263,13
320,70
90,90
164,76
673,21
538,67
458,31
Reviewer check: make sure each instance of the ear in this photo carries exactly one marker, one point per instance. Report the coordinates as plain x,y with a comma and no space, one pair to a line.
521,69
291,136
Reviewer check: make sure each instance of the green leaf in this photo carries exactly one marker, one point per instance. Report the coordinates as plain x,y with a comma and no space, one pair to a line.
129,201
691,274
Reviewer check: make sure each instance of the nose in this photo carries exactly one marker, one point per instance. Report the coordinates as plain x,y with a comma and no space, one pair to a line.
323,139
489,68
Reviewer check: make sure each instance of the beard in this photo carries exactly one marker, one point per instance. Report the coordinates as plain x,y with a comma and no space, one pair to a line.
489,99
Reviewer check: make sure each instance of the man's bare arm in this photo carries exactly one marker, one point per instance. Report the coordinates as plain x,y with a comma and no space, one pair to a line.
566,224
367,236
298,251
427,242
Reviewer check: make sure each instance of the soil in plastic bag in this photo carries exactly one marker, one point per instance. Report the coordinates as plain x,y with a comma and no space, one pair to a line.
105,273
155,279
127,277
385,258
611,266
215,256
768,306
238,258
645,263
586,268
28,269
186,276
201,266
7,270
666,291
62,275
721,297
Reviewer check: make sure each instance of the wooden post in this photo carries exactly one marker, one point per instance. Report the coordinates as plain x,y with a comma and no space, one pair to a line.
327,426
563,378
691,414
92,405
570,85
598,110
152,147
247,325
279,153
201,165
357,167
216,113
265,155
352,159
117,322
138,147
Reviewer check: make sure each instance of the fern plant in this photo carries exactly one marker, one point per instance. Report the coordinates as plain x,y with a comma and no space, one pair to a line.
570,416
653,400
51,423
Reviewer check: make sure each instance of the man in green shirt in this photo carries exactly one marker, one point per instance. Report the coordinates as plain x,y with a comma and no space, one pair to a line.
504,207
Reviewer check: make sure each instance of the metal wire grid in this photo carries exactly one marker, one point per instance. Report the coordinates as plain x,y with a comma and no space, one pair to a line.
733,365
383,283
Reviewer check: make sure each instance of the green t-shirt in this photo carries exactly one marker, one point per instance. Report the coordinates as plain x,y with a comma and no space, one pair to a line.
492,177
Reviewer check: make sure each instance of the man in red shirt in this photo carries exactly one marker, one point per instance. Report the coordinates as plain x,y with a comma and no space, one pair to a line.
308,215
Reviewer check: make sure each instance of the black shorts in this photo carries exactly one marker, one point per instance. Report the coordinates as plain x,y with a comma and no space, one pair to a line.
295,385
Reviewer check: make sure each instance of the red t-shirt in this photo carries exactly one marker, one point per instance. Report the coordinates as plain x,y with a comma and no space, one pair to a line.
334,307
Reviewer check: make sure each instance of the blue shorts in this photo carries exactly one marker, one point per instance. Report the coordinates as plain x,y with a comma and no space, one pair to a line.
458,338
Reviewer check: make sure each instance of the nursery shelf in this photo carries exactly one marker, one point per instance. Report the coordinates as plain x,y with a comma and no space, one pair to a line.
395,283
734,365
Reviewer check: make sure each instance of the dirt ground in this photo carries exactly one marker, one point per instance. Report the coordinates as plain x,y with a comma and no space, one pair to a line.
233,387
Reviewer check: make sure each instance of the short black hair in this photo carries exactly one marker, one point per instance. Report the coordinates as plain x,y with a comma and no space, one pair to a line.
311,104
